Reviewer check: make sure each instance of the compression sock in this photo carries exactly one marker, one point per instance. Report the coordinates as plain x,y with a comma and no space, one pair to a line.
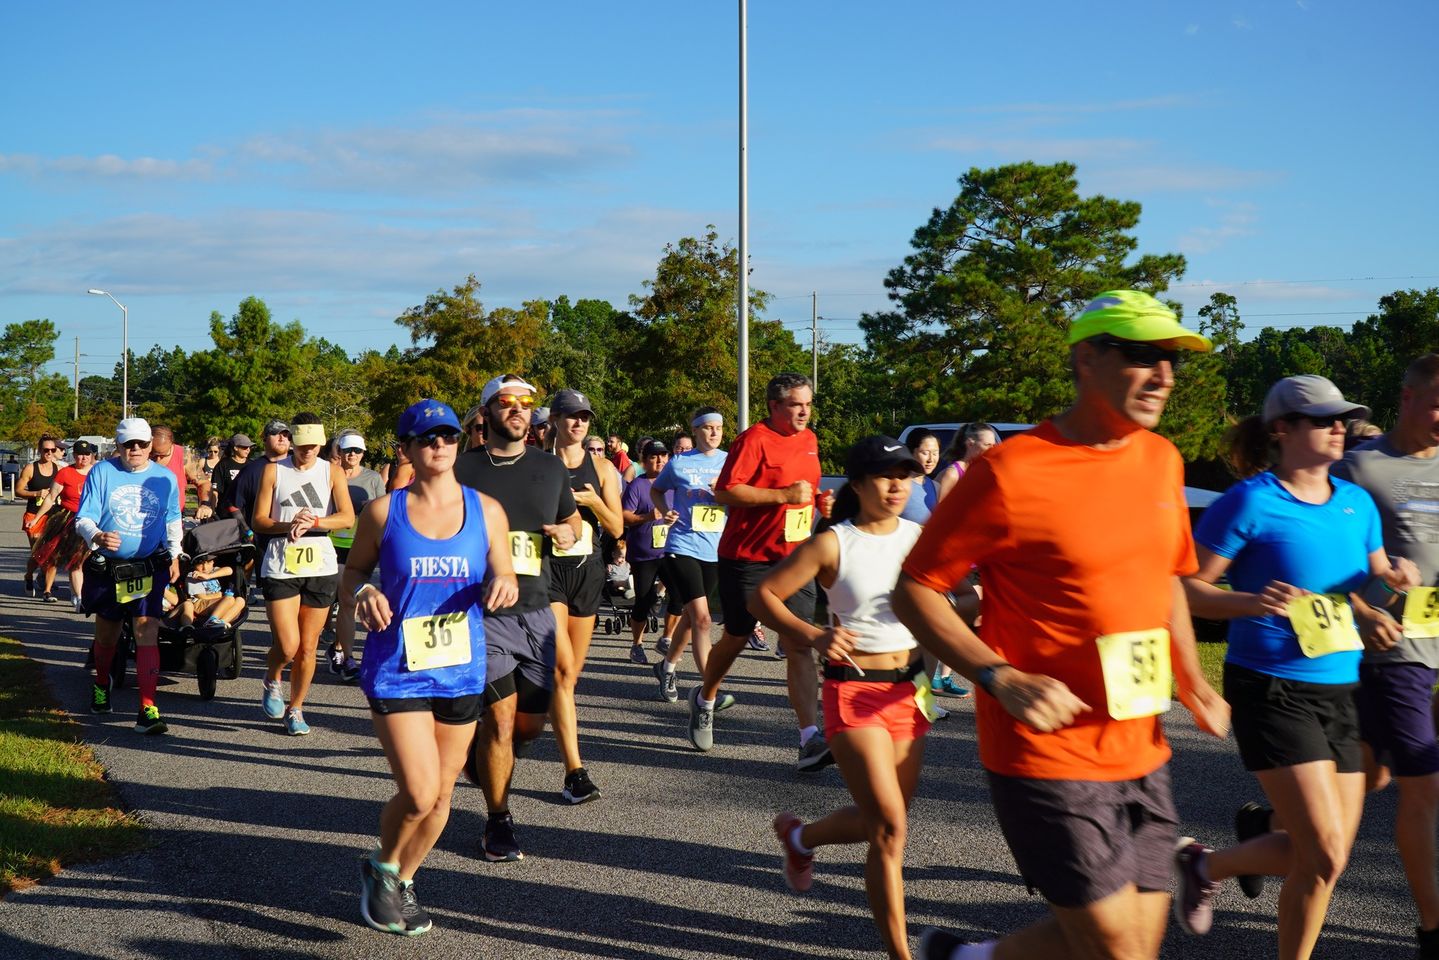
147,673
104,659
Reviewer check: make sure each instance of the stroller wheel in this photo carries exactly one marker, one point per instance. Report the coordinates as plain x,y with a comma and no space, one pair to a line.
207,668
236,654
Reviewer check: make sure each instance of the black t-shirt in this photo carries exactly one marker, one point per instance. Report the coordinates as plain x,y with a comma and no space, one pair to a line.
534,490
241,494
223,475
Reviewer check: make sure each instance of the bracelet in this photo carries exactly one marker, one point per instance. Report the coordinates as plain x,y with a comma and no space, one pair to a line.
1388,589
361,589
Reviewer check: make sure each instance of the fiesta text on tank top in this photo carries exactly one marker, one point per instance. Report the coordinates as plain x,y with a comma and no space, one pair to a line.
589,523
40,481
868,568
313,555
436,594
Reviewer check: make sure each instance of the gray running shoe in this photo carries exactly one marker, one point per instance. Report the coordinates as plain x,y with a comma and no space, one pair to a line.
637,655
702,724
417,921
381,905
669,688
662,646
814,755
1192,907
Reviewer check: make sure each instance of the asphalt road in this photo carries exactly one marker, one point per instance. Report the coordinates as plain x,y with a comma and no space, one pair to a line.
256,836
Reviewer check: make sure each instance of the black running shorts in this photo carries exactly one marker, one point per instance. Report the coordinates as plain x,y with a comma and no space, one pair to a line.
578,584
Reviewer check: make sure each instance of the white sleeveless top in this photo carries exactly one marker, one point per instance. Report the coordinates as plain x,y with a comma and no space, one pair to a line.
296,490
868,569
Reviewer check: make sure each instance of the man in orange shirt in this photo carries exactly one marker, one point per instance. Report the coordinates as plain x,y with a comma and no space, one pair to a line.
1080,533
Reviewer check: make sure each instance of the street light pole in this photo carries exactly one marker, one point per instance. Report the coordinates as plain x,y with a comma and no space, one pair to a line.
124,353
742,307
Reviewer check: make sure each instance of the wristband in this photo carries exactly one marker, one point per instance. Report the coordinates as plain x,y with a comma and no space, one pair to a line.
361,589
985,676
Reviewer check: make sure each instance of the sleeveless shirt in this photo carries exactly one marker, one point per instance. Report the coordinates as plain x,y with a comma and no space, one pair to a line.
868,568
297,490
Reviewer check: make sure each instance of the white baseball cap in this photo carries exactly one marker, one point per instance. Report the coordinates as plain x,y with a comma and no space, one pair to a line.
132,428
349,440
504,380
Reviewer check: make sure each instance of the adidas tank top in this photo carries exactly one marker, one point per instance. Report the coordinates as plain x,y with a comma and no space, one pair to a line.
313,555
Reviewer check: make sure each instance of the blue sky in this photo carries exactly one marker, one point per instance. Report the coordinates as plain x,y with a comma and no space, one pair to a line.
343,160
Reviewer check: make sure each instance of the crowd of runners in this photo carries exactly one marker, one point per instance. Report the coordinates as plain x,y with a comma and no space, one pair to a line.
1056,572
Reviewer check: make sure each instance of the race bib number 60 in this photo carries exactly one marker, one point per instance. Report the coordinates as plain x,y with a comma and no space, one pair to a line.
1137,678
127,591
1324,624
438,641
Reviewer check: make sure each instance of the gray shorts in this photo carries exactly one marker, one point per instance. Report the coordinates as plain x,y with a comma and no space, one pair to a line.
523,642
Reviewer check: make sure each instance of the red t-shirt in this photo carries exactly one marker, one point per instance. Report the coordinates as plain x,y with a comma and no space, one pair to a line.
1073,544
762,457
71,482
176,465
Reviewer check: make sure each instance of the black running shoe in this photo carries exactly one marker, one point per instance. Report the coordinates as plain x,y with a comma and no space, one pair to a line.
1250,821
500,845
417,921
99,699
579,788
148,721
937,944
381,905
30,584
50,597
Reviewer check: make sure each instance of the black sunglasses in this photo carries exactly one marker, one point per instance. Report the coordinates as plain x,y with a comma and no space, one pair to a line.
436,438
1318,423
1139,354
135,444
351,450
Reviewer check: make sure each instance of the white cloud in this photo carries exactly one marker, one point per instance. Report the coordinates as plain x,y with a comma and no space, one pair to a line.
1173,177
1236,220
106,166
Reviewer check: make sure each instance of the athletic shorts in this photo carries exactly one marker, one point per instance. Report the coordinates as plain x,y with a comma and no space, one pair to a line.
647,574
1282,723
520,658
1395,717
851,704
688,578
1079,841
738,579
97,595
455,711
25,521
578,586
317,592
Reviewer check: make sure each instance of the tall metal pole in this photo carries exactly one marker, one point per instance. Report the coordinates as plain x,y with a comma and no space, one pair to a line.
743,214
125,367
814,338
77,379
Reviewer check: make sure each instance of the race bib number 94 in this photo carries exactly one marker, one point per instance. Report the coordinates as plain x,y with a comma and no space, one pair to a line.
525,553
439,641
1324,624
302,560
797,524
1421,613
1137,677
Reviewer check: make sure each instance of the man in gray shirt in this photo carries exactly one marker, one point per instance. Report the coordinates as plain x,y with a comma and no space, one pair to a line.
1400,470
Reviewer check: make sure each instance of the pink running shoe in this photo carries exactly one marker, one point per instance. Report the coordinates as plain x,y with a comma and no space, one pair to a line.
798,867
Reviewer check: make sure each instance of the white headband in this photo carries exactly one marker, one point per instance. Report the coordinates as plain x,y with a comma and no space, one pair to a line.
705,418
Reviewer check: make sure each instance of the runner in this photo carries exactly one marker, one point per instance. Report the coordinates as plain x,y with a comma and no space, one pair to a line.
577,576
533,487
1296,545
646,532
691,559
301,499
539,427
57,545
128,515
1400,471
443,553
237,452
35,480
208,460
768,485
1080,534
619,456
402,474
364,485
877,704
924,445
240,495
164,452
973,441
683,444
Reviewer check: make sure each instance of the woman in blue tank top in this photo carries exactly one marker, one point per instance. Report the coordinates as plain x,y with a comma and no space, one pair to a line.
444,560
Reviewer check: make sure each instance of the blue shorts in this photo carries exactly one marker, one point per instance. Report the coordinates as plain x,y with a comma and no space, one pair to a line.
97,593
1395,717
521,643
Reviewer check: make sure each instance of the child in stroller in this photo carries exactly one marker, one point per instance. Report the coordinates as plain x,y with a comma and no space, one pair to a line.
208,600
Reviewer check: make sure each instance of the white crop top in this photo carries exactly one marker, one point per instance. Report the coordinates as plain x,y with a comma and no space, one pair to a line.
868,569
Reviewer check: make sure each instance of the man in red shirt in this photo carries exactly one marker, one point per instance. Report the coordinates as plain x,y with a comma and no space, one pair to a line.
767,487
170,455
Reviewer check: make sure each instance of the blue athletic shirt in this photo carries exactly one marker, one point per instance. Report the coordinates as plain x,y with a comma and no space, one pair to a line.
421,578
922,498
138,506
1269,534
691,477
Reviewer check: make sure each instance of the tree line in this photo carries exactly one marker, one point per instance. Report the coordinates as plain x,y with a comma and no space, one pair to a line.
975,330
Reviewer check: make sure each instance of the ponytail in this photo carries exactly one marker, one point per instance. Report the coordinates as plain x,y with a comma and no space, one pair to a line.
846,505
1248,447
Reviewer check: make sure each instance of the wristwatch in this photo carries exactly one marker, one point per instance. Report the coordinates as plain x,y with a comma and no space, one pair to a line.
985,676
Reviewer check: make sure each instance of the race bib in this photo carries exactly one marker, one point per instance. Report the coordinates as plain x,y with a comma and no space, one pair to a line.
1137,678
525,553
439,641
583,547
708,518
798,523
924,697
1324,624
127,591
303,560
1421,613
659,535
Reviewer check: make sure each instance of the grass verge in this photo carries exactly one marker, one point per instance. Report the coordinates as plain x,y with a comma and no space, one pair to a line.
1211,660
55,806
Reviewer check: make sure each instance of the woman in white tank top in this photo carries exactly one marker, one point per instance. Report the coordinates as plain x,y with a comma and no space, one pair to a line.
877,700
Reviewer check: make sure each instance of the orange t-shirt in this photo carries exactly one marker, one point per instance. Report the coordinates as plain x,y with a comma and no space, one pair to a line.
1072,544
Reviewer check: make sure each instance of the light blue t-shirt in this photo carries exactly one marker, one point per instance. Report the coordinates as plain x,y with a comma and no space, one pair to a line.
922,498
691,476
138,506
1269,534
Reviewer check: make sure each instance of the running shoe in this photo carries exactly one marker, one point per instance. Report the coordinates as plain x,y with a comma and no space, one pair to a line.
295,724
1192,907
725,701
30,584
1250,821
350,672
579,788
148,721
940,713
756,640
798,867
937,944
814,755
500,845
669,688
99,699
637,655
778,650
953,687
702,724
336,656
662,646
381,905
521,748
75,602
50,597
417,920
272,700
1428,943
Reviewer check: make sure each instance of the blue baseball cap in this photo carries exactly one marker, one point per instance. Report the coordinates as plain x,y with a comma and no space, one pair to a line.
424,417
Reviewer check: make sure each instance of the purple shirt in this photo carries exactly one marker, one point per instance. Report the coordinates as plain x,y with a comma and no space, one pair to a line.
639,540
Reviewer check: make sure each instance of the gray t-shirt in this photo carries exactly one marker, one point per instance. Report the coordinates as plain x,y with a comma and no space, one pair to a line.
1406,490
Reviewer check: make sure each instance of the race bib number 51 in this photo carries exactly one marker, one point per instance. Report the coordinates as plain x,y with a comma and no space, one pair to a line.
1137,678
1324,624
438,641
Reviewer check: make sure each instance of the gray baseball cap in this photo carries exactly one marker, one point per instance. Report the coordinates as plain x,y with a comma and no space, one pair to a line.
1310,395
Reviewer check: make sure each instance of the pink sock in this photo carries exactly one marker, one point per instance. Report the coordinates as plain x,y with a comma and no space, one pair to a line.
147,673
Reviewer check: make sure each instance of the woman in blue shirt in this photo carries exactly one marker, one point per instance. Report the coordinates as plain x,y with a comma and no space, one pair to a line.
1299,548
444,558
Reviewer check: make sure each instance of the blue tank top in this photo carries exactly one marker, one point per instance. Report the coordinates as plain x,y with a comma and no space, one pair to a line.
424,578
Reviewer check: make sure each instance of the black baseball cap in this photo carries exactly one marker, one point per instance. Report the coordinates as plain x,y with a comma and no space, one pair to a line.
567,402
82,446
879,454
275,428
653,447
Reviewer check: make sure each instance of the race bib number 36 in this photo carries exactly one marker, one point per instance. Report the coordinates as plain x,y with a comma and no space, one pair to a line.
1137,678
708,518
525,553
1324,624
797,524
302,559
1421,613
439,641
127,591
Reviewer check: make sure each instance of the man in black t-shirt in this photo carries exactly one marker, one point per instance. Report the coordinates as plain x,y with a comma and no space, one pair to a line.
534,488
239,499
236,454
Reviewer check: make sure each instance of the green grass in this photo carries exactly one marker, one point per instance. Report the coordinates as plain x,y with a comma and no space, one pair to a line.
55,806
1211,658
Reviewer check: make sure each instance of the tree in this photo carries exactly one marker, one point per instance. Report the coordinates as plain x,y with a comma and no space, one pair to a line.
1384,344
1196,416
985,299
25,349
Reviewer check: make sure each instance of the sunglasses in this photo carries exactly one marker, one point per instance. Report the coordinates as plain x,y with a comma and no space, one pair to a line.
508,401
351,450
437,438
49,449
1318,423
1138,354
597,451
135,444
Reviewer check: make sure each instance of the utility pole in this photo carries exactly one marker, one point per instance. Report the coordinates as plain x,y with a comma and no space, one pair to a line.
814,338
743,305
77,379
